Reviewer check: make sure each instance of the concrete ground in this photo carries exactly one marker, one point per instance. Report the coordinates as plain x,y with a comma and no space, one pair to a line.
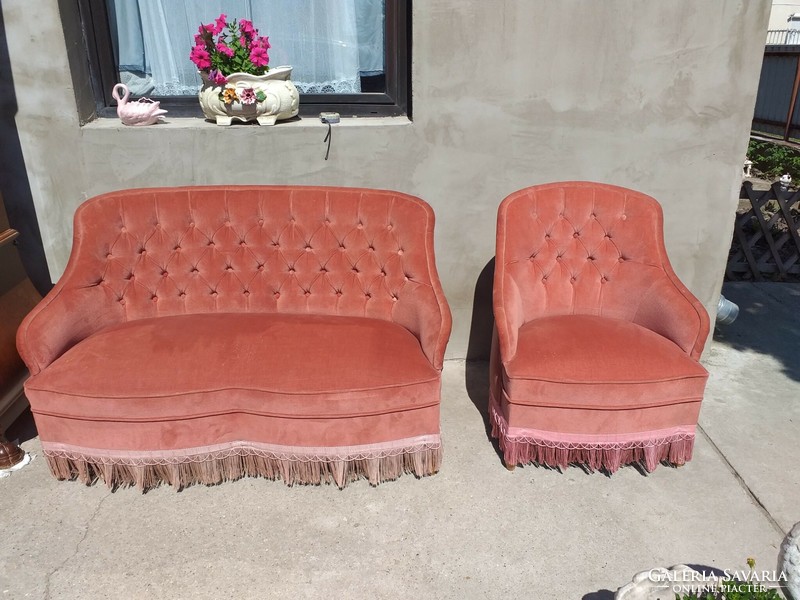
472,531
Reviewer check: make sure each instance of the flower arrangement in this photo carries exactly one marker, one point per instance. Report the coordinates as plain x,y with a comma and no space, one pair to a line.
225,47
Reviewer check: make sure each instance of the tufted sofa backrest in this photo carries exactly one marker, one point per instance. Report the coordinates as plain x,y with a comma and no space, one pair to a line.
580,248
319,250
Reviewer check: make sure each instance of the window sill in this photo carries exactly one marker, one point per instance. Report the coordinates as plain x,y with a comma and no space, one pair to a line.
108,123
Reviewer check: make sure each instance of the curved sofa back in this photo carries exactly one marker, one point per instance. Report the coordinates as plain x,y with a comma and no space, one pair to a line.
278,249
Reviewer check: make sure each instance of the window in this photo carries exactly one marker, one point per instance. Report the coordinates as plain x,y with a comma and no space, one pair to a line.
349,56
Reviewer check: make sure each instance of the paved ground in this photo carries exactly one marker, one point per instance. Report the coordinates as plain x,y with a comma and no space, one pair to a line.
472,531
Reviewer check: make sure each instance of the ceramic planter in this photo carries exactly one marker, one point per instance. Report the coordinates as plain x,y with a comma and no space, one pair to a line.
263,98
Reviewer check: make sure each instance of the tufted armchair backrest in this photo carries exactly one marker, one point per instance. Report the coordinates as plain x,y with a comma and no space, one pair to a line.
318,250
589,248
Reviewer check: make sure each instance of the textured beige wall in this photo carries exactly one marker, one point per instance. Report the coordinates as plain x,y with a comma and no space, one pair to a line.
657,96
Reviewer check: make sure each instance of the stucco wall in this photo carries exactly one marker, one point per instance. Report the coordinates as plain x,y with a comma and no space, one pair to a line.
657,96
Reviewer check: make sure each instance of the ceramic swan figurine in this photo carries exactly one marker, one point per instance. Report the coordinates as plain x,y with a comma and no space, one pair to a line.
142,112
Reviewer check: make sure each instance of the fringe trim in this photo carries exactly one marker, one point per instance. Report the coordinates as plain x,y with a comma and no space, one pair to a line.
238,461
649,450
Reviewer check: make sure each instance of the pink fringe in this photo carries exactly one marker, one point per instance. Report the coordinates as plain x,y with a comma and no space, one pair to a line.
606,453
227,462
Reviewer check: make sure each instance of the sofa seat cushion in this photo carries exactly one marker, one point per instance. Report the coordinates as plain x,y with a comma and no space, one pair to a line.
592,362
278,365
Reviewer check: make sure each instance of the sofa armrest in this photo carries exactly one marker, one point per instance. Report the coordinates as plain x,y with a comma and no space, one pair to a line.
67,315
669,309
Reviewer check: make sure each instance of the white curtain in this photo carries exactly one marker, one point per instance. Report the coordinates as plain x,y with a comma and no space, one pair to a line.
329,43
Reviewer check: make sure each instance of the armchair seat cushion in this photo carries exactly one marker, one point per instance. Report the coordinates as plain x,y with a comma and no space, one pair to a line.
599,363
291,366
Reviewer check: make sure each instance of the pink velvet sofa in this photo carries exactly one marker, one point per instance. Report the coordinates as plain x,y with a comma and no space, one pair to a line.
202,334
595,359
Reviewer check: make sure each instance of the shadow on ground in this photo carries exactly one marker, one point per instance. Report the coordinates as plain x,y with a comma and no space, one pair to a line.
599,595
767,322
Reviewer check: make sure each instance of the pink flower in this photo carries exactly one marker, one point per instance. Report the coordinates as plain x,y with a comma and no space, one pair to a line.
263,42
217,78
220,23
200,57
247,29
259,56
247,96
205,29
198,39
223,48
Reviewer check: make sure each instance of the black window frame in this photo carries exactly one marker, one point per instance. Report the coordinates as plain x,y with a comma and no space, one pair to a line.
395,101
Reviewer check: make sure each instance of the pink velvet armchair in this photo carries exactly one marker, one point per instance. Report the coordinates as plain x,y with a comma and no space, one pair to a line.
597,342
202,334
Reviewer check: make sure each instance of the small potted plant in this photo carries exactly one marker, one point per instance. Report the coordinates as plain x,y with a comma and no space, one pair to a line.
233,60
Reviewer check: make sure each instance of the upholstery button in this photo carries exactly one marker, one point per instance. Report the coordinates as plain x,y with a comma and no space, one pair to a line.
277,294
341,247
182,294
211,243
383,273
327,221
142,251
621,259
195,270
154,298
261,221
191,224
400,252
177,248
394,298
368,295
558,257
123,229
604,279
573,279
360,225
227,223
624,217
243,243
306,293
164,274
108,255
324,270
214,294
292,220
291,270
544,278
338,292
390,227
129,276
532,256
590,258
308,248
576,235
406,278
260,267
372,248
229,268
593,215
122,301
246,292
355,270
547,236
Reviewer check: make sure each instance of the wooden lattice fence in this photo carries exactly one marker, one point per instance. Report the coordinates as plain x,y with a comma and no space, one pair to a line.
766,237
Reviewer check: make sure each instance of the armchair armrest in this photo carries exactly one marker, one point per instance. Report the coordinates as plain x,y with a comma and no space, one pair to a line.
508,314
669,309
